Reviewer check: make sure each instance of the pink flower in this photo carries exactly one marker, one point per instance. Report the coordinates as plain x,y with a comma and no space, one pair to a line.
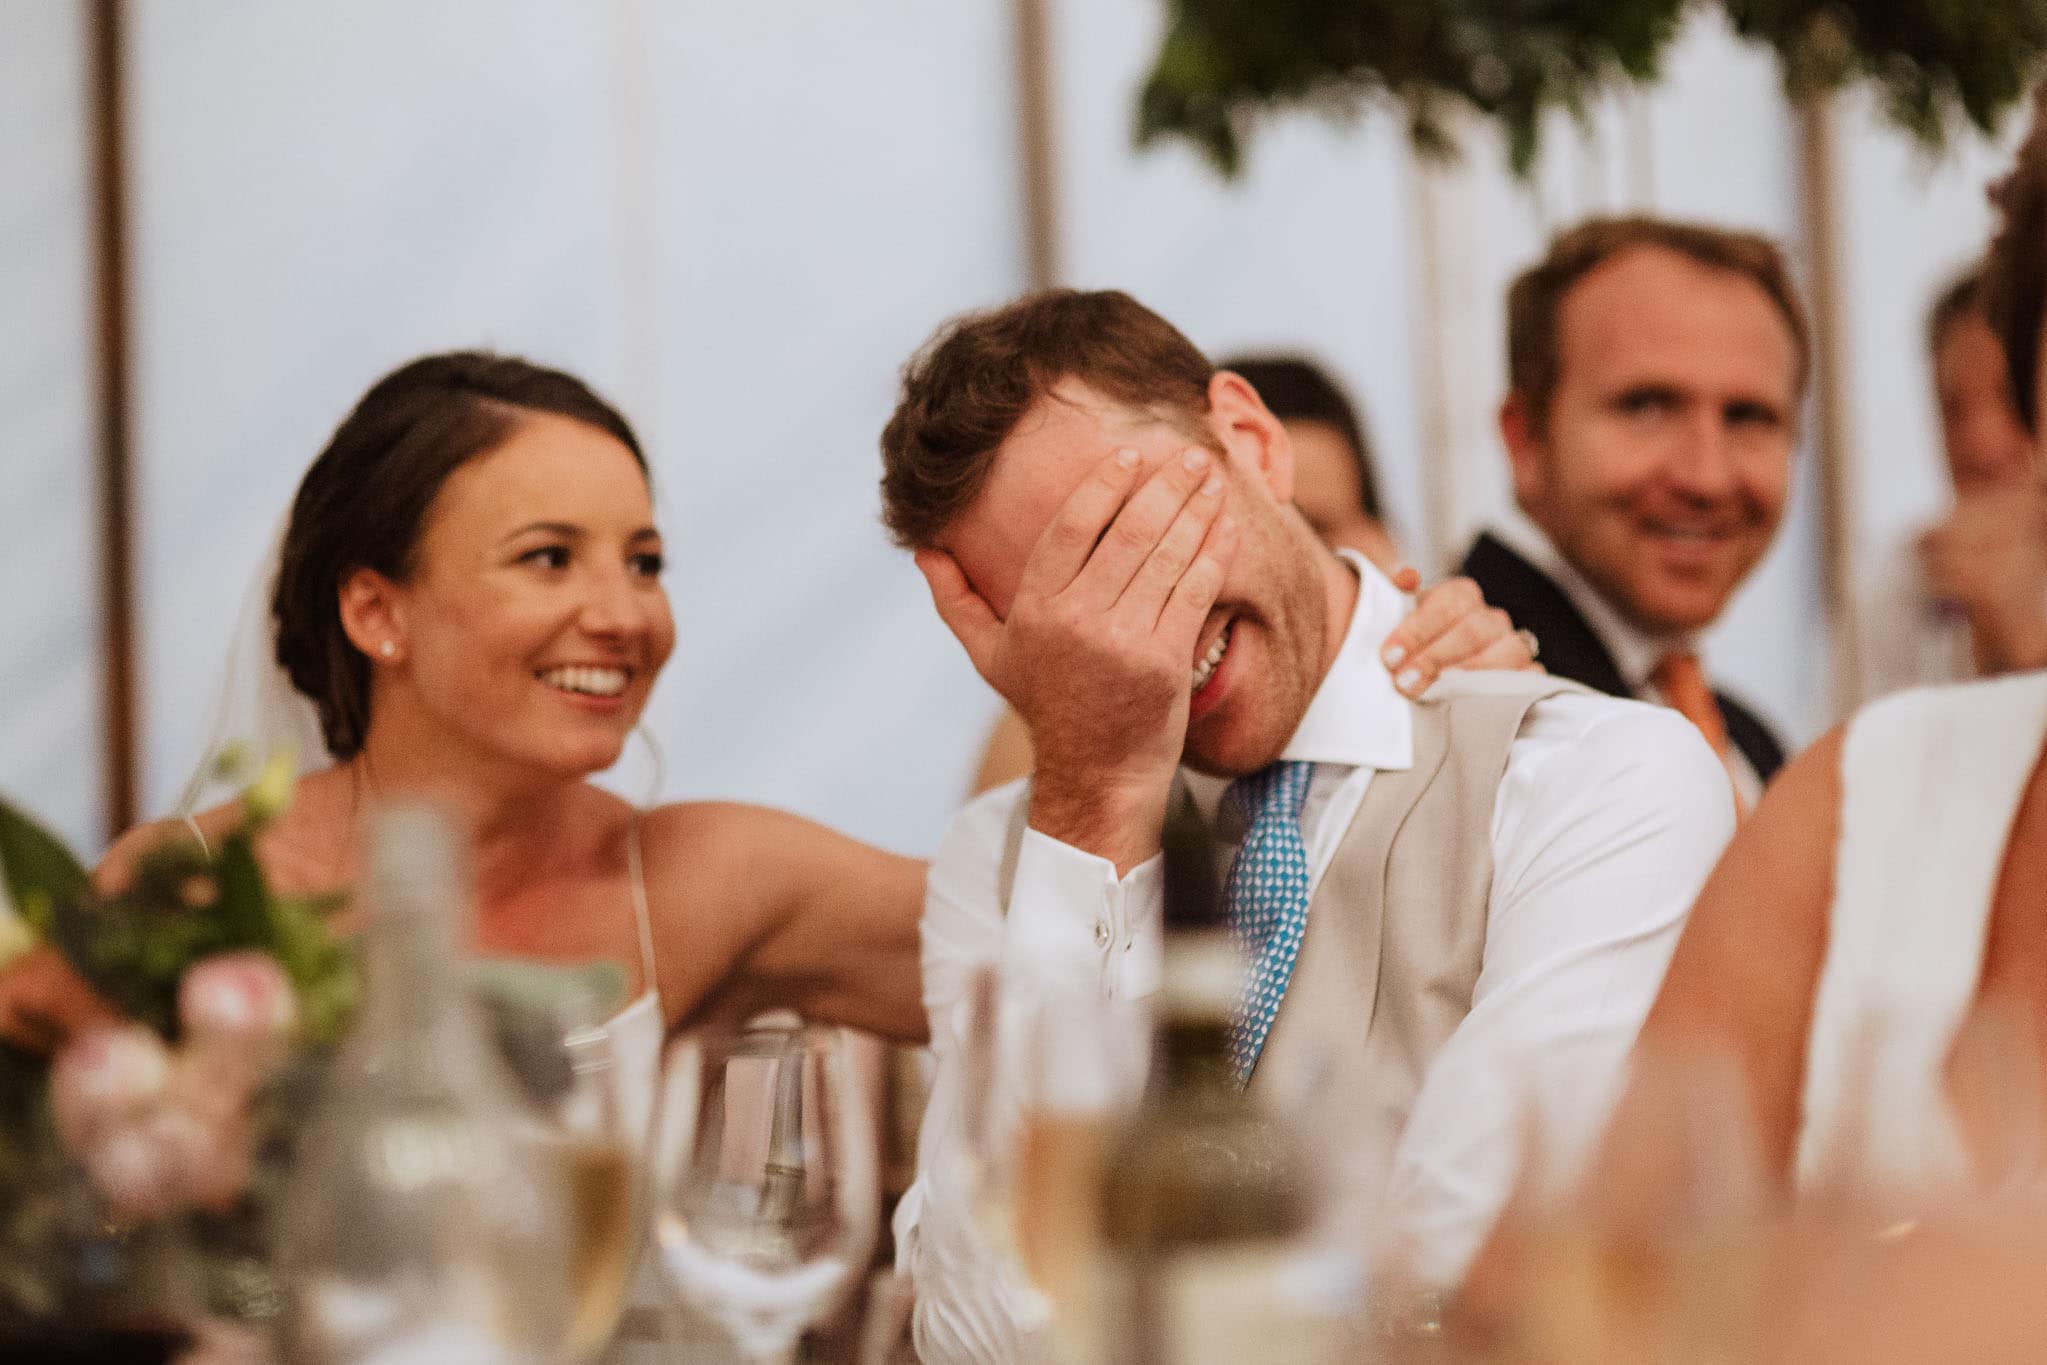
238,1011
108,1078
208,1162
137,1173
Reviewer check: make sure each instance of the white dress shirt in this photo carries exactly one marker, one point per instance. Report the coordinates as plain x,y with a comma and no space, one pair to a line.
1635,651
1608,818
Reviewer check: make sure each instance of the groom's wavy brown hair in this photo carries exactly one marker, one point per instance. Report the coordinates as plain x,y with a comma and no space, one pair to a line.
968,387
364,502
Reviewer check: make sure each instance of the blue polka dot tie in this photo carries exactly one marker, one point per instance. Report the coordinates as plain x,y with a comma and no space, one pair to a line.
1267,897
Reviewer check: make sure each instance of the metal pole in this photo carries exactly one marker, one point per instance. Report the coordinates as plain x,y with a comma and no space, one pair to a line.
1834,438
107,114
1037,138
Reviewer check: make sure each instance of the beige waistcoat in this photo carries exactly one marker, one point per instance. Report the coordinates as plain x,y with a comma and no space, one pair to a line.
1396,929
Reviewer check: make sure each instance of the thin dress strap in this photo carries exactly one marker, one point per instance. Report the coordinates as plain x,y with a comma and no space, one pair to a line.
636,873
197,833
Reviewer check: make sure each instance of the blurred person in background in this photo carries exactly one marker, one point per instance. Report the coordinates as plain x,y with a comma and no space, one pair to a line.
1336,481
1967,596
1655,371
1336,488
1105,521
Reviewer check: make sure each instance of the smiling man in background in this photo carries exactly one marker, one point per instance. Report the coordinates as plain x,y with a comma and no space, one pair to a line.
1654,371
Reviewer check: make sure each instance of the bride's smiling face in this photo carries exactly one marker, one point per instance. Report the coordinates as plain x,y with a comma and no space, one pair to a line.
533,620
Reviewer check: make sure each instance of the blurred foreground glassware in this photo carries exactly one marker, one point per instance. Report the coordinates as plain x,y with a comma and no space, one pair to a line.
1655,1249
422,1223
587,1128
765,1186
1073,1085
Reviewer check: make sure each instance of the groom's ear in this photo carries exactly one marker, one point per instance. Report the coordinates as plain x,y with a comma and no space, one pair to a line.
372,614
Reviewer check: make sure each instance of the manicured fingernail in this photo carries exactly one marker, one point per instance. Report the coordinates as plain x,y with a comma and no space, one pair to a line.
1393,655
1213,486
1408,681
1126,457
1194,459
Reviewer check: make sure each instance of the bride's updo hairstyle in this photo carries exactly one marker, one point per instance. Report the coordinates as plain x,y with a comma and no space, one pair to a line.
365,500
2015,276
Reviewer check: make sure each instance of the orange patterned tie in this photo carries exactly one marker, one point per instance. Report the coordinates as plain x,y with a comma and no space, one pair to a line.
1682,682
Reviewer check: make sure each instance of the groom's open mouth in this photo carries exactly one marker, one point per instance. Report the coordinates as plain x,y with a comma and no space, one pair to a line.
587,680
1204,681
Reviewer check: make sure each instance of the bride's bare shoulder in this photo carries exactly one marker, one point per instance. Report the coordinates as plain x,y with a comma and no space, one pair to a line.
694,830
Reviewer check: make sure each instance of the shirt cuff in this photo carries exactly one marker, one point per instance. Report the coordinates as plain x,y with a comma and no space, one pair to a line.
1070,915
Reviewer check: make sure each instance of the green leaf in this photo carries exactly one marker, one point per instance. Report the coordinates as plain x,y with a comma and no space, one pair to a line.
38,869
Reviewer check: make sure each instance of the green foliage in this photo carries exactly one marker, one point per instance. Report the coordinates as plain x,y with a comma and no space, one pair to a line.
183,905
1935,64
1225,63
1225,60
38,870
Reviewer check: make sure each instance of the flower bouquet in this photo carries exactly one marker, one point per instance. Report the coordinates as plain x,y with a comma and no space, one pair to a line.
137,1161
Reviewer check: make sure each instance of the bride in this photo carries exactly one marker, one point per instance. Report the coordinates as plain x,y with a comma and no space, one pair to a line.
469,594
1892,886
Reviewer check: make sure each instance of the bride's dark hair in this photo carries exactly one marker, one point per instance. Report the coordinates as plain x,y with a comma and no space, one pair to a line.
364,502
2015,275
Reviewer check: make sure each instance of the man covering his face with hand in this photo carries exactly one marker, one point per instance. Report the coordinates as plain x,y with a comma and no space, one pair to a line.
1104,521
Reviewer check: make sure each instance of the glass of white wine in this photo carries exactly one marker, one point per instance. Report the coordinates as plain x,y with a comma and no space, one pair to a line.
586,1128
1074,1085
764,1179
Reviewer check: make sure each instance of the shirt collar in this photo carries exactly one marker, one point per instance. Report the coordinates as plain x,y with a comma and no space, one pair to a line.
1635,651
1357,718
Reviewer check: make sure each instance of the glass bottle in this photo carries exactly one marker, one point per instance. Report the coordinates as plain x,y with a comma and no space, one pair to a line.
422,1224
1204,1197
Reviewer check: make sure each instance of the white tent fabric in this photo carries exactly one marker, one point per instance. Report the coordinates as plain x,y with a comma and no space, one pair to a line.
738,220
50,752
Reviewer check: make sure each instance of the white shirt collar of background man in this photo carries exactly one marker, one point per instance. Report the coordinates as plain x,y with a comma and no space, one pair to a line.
1635,651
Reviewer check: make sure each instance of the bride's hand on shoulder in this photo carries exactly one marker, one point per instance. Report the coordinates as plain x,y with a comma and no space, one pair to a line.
756,908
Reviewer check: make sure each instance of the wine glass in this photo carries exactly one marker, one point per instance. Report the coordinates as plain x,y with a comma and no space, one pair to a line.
765,1180
585,1128
1073,1084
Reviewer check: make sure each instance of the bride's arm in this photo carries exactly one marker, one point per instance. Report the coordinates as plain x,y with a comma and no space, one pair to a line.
757,908
1747,968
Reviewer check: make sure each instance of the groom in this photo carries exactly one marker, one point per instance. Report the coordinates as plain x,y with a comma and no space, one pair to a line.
1104,521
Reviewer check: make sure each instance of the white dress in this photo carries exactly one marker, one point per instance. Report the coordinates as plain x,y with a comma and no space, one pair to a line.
1930,782
636,1034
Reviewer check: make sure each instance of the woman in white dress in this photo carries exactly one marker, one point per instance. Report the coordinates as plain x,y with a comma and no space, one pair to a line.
469,593
1893,883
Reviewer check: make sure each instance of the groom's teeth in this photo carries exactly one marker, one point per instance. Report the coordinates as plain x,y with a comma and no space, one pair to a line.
1209,660
594,682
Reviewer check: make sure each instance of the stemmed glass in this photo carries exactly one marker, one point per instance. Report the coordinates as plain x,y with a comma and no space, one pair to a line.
764,1179
586,1128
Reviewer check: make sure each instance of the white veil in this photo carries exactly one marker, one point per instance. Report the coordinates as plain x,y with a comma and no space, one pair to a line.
257,707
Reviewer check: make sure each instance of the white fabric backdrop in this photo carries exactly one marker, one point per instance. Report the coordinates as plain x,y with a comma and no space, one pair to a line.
738,219
50,752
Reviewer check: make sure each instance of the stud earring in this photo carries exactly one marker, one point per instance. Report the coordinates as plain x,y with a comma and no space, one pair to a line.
387,649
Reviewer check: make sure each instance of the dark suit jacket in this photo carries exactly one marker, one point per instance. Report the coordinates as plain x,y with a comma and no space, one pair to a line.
1572,649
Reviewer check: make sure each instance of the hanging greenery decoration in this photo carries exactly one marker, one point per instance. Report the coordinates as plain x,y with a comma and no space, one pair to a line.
1935,64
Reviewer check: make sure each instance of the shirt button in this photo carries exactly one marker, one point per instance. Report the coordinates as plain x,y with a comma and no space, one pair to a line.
1101,933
